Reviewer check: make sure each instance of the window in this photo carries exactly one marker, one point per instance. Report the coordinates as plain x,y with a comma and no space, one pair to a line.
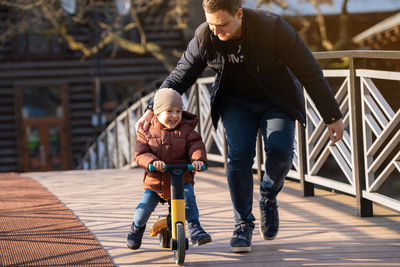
41,102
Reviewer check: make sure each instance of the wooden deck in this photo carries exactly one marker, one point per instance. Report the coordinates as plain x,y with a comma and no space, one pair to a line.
319,231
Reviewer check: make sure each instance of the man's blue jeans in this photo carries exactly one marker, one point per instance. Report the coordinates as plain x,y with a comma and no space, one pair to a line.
241,120
150,201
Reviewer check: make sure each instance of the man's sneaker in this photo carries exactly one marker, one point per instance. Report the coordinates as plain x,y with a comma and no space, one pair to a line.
269,218
198,235
241,238
135,237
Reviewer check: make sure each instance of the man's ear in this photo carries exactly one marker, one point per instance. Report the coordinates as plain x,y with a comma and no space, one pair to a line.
239,13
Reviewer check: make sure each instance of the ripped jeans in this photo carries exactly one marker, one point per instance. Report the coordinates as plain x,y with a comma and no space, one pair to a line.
241,120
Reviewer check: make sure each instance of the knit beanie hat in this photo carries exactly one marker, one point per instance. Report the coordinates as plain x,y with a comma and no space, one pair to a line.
166,98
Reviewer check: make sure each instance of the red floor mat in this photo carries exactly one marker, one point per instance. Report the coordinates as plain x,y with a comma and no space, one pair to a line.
36,229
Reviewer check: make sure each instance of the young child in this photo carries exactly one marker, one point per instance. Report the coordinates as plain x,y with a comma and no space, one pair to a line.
171,139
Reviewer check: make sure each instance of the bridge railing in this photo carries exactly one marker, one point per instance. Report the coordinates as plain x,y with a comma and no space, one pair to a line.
366,157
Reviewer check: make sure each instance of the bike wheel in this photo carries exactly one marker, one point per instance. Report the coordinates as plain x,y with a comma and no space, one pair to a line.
179,253
164,237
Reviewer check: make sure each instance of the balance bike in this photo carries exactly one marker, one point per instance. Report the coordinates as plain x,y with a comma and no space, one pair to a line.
171,228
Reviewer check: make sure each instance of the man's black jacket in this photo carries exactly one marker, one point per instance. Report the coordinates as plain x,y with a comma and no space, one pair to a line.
276,55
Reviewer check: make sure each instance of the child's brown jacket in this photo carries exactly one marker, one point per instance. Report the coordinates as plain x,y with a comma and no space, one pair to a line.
182,145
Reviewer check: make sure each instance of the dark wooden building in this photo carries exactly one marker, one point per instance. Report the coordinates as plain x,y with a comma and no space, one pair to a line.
51,95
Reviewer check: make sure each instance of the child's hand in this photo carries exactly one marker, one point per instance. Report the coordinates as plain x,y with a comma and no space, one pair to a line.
197,164
159,164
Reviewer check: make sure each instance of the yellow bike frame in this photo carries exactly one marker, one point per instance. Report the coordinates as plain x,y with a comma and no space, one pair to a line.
177,201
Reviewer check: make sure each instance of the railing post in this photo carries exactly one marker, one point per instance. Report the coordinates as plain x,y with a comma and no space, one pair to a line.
307,188
108,150
97,89
127,132
116,143
364,206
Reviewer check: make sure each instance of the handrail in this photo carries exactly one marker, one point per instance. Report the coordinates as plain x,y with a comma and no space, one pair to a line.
366,157
377,54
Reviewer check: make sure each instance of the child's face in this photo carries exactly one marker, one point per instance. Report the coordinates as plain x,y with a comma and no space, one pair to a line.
170,117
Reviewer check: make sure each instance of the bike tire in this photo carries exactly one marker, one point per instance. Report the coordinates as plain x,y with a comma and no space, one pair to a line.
179,253
165,238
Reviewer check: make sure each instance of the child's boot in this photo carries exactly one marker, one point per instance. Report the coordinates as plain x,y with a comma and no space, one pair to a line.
198,235
135,237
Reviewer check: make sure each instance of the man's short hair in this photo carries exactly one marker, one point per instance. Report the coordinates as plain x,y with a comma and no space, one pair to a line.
232,6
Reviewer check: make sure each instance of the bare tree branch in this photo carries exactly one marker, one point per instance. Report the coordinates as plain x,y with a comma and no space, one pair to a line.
322,28
282,3
344,38
48,16
340,43
24,5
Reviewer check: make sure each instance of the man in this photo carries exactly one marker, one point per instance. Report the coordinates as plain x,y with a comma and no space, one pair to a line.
258,58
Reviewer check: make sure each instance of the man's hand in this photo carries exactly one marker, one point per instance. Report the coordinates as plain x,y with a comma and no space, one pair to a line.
145,120
336,130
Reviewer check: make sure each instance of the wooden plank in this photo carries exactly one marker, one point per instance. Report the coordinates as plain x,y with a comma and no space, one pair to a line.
135,60
10,160
63,72
86,79
320,230
384,174
379,74
375,110
342,162
318,180
378,97
383,136
384,153
7,118
336,73
384,200
372,124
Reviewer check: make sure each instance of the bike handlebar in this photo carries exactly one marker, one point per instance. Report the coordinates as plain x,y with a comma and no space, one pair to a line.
171,167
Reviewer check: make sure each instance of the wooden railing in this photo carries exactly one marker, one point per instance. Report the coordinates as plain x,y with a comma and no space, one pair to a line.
366,157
